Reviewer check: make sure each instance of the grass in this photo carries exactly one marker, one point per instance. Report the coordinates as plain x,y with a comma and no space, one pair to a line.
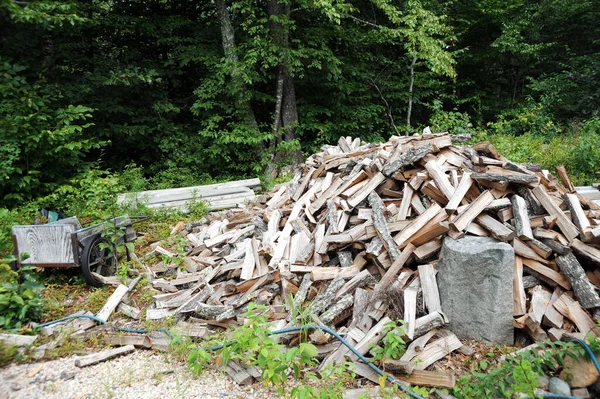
7,353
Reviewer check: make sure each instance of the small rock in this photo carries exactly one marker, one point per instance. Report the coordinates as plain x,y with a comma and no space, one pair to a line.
15,386
559,387
581,393
543,381
580,372
67,375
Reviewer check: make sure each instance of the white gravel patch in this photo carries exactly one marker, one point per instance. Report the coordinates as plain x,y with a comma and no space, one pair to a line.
140,375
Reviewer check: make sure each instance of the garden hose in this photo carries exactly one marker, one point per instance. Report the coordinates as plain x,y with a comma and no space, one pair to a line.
372,366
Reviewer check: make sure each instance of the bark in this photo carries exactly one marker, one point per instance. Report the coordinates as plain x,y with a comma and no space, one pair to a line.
286,110
410,94
584,290
228,42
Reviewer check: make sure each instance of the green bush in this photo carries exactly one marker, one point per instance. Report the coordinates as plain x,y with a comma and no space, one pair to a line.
516,373
20,296
577,150
92,194
528,117
452,121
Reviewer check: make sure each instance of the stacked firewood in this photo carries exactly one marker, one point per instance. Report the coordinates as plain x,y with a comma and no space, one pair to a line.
354,240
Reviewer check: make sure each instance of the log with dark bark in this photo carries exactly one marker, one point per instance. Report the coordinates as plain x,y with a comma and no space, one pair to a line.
584,290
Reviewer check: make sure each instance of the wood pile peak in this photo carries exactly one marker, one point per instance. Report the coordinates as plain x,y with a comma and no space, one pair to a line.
356,236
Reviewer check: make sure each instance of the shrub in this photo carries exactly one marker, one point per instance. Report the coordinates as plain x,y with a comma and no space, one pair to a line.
20,298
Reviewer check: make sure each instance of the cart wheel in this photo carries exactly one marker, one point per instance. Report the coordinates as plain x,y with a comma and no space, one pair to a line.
98,258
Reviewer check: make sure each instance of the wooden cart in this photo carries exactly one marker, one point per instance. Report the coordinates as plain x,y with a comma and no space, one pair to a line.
65,244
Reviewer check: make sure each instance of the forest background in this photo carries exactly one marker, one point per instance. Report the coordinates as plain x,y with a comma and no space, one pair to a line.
100,97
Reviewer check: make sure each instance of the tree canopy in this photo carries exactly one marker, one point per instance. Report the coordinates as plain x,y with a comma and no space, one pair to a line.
228,87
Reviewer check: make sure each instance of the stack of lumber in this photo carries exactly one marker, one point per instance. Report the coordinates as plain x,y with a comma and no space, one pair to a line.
354,240
217,196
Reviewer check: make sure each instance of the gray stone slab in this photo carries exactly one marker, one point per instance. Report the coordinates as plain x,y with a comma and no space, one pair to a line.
475,280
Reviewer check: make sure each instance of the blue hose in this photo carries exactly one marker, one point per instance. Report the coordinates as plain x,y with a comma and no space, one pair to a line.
329,331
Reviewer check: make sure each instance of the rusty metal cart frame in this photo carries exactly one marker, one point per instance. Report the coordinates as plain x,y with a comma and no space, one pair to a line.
65,244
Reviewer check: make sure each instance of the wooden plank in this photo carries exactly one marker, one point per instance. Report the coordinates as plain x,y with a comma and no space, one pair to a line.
435,351
390,275
464,218
573,311
17,339
96,358
498,230
373,336
540,300
249,262
426,378
46,244
357,198
522,249
158,197
410,157
564,223
139,341
578,216
403,237
586,251
428,249
112,302
440,178
552,318
410,307
129,311
521,218
462,189
431,295
564,178
519,298
547,272
407,196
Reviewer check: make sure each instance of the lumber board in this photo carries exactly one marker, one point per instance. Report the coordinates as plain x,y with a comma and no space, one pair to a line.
17,339
460,192
564,223
519,298
547,272
431,295
464,218
96,358
153,197
112,302
402,238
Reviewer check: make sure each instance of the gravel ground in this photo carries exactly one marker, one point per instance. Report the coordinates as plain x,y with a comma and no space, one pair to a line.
140,375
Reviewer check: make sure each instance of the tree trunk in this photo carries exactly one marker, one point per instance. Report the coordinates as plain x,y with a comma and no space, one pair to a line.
286,111
410,94
228,41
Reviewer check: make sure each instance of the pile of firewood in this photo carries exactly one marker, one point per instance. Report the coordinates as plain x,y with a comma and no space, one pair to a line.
354,239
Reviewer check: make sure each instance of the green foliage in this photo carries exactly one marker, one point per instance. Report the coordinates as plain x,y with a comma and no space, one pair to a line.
7,353
40,143
577,150
20,298
453,121
252,344
92,194
517,374
81,94
392,346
